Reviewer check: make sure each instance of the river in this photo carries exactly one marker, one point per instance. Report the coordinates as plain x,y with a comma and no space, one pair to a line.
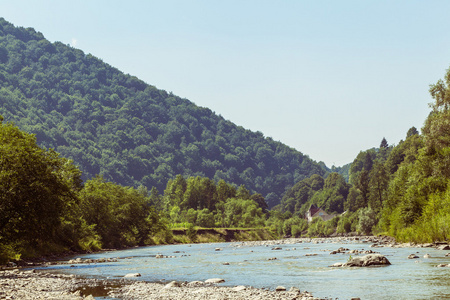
253,264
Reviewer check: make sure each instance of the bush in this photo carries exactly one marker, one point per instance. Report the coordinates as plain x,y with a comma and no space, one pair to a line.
367,220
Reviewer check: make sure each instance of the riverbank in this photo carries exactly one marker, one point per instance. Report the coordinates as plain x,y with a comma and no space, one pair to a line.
17,284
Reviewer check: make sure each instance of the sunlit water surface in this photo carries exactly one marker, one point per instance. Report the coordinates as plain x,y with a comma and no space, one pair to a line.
250,266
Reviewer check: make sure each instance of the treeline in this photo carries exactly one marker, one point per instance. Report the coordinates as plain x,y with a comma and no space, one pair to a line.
402,191
127,131
202,202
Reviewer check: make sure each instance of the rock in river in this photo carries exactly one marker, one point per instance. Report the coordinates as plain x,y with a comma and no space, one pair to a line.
367,260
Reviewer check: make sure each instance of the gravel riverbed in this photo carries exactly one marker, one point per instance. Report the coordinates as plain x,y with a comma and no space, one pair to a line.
18,284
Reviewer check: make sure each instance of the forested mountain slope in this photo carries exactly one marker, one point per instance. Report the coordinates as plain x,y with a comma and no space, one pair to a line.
132,133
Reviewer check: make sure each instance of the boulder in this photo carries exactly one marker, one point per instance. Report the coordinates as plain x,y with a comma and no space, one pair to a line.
214,280
427,256
280,288
412,256
368,260
444,247
276,248
443,265
239,288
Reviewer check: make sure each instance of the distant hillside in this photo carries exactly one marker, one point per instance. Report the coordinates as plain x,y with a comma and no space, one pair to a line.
130,132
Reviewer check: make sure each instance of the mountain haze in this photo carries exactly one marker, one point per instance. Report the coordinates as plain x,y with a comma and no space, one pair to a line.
130,132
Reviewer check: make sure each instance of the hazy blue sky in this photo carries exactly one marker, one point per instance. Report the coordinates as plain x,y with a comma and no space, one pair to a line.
329,78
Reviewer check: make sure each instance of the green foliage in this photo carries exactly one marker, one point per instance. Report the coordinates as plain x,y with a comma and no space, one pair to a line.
329,194
344,225
294,226
320,228
130,132
367,220
38,197
243,214
417,197
122,215
191,232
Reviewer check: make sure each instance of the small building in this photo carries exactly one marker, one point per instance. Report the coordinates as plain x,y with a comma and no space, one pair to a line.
314,211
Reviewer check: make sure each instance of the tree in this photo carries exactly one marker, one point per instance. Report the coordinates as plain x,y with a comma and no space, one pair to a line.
37,190
122,215
367,220
378,183
412,131
362,185
384,144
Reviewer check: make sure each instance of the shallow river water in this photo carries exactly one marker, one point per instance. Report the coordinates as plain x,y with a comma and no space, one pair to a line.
253,265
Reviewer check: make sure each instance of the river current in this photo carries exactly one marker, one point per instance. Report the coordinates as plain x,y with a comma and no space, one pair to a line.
260,266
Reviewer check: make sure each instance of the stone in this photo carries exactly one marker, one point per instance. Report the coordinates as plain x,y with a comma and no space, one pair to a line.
218,249
239,288
337,265
276,248
294,290
195,283
172,284
214,280
412,256
280,288
226,264
442,266
427,256
444,247
368,260
132,275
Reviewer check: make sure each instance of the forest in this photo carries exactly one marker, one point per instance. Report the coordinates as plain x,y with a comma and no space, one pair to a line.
130,132
91,158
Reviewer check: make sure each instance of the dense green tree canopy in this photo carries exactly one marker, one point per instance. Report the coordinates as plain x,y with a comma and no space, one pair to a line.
130,132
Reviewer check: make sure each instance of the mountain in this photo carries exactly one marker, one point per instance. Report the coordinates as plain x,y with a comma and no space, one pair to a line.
130,132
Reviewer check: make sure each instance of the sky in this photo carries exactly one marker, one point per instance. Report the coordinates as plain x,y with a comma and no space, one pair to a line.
328,78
